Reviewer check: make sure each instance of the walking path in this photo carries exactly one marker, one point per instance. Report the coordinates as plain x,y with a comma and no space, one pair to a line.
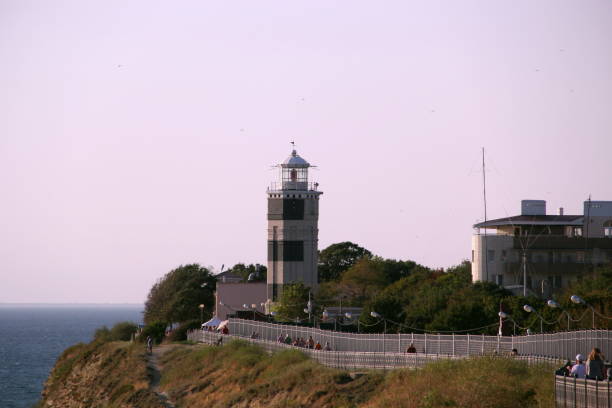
155,375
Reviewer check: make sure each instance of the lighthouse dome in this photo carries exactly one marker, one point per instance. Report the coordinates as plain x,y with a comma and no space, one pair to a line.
295,161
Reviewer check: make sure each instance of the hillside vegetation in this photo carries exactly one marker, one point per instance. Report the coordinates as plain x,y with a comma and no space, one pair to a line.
114,375
241,375
100,374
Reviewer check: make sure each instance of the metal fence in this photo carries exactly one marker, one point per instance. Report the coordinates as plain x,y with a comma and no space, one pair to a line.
571,392
562,345
348,360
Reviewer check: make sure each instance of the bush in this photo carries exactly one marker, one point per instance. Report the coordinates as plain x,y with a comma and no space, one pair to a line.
123,331
180,333
156,330
102,334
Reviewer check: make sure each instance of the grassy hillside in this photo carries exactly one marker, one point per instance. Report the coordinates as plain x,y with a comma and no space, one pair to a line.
240,375
114,375
109,375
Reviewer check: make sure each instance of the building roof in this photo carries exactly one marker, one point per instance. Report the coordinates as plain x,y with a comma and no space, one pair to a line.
295,161
228,277
533,220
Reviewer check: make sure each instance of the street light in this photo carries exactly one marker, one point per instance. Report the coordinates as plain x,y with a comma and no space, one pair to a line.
378,316
530,309
326,316
349,316
580,301
201,314
555,305
504,315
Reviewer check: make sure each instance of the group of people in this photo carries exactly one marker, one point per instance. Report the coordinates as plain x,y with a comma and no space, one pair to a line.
592,368
302,342
223,330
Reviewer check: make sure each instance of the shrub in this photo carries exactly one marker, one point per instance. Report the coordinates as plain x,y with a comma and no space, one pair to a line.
102,334
156,330
123,331
180,333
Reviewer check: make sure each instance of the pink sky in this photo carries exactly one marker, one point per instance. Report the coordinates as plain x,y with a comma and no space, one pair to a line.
138,136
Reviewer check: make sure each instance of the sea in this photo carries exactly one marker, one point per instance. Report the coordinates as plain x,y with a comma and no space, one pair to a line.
32,337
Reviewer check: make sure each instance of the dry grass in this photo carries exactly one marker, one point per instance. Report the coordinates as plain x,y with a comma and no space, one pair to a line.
241,375
100,375
484,382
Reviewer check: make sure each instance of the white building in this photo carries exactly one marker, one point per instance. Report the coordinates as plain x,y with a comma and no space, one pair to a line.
546,251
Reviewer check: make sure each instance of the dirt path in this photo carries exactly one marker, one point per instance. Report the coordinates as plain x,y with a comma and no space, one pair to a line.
154,373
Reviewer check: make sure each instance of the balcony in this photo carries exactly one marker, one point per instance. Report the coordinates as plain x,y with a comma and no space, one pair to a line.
293,186
560,242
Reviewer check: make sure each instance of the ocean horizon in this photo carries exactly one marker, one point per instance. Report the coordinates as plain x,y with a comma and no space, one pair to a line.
33,336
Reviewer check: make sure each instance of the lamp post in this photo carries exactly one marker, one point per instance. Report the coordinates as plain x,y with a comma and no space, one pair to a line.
378,316
309,307
326,316
201,315
503,315
349,316
555,305
530,309
580,301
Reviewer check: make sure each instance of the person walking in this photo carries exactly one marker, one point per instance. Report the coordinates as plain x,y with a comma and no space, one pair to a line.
595,365
149,344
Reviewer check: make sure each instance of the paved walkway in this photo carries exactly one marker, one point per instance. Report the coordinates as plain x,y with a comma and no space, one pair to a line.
155,375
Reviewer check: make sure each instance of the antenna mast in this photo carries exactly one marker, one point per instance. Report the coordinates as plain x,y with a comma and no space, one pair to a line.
586,234
484,195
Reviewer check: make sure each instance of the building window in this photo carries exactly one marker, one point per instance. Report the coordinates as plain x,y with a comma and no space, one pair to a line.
499,279
577,232
472,255
608,232
491,255
503,255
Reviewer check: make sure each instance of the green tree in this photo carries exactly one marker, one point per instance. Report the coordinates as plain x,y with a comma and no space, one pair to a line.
337,258
176,297
121,331
595,289
292,303
156,330
362,280
256,271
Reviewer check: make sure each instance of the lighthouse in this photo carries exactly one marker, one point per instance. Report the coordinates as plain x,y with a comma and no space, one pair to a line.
293,215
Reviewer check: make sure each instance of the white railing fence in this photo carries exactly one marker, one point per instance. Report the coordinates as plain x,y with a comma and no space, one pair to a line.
582,393
562,345
347,359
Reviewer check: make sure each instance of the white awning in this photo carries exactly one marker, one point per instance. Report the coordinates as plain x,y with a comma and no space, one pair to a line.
214,322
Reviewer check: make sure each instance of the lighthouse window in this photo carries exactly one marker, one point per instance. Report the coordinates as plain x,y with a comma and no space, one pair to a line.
293,251
293,209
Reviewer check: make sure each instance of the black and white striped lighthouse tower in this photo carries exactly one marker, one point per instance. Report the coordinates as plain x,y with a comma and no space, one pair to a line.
293,215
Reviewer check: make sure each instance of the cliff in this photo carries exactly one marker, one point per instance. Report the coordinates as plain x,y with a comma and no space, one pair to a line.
100,375
239,375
